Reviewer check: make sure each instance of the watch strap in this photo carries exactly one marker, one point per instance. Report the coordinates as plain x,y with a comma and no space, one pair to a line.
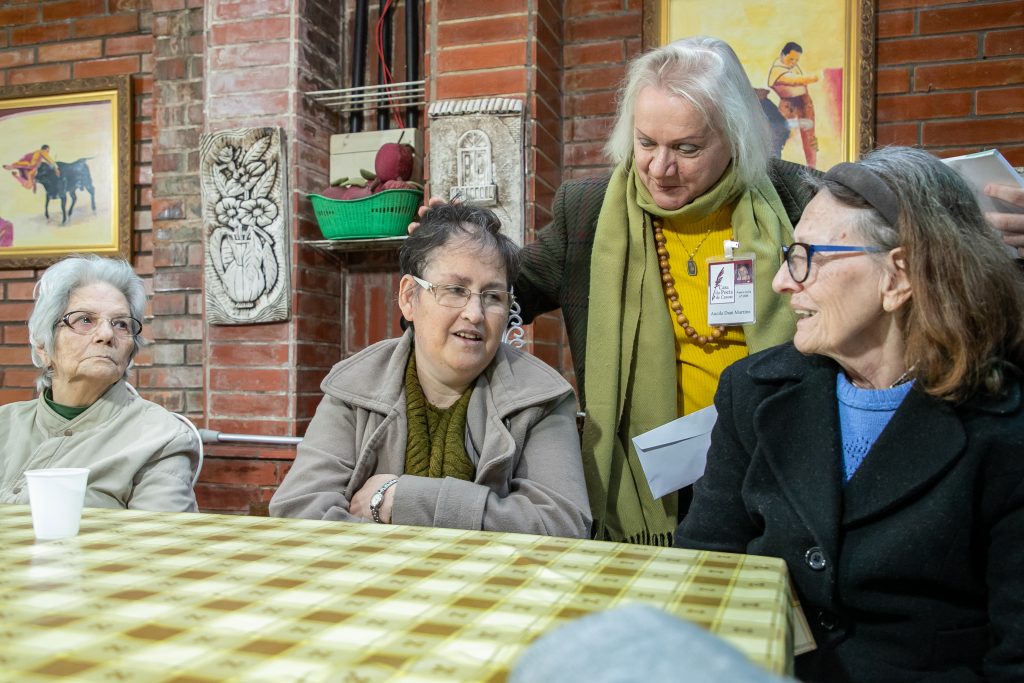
378,499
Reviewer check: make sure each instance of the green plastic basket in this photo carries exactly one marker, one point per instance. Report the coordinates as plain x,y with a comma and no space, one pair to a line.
384,214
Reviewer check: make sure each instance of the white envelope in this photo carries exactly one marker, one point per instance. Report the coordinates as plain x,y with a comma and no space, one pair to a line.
674,454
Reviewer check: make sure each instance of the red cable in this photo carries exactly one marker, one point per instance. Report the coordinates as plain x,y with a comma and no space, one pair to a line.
387,77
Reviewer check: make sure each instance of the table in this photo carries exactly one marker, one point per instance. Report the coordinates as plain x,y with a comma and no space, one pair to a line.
202,598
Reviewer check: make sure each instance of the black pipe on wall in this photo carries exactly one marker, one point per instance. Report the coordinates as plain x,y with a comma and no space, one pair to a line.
383,112
355,118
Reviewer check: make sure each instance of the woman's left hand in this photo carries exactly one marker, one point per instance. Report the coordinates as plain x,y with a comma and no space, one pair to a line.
360,503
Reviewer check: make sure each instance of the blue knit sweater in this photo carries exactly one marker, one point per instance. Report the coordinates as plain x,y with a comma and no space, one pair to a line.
863,414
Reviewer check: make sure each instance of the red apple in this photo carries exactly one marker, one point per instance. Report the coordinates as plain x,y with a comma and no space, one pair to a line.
346,192
397,185
394,161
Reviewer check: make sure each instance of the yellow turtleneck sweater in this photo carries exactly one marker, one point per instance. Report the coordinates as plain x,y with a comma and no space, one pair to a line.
701,365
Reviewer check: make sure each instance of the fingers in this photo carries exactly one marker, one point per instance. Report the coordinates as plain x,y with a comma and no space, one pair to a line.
1011,225
431,203
1008,193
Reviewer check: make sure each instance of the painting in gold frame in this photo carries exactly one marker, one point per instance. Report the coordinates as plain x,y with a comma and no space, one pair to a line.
65,148
831,117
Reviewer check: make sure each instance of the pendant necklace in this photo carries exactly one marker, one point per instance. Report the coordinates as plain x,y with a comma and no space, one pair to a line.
905,377
691,264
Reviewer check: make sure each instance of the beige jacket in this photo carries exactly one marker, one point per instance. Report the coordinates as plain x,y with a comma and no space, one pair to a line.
520,433
139,455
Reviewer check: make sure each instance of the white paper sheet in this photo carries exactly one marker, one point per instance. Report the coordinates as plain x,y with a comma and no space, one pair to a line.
674,454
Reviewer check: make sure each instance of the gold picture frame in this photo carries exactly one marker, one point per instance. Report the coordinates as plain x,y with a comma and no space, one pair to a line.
840,48
65,149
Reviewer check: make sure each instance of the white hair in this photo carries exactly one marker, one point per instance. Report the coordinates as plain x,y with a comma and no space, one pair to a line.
54,289
705,72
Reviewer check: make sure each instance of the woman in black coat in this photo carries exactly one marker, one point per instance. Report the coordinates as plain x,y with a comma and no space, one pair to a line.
881,454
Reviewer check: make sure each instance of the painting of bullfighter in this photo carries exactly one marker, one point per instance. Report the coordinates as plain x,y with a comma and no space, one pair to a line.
65,186
807,63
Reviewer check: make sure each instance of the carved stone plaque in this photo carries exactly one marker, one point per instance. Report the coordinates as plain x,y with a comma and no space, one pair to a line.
245,226
476,153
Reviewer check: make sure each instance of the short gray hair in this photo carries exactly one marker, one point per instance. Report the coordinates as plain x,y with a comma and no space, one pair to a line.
707,73
54,289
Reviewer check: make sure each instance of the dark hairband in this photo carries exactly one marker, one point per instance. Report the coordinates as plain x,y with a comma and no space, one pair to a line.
867,184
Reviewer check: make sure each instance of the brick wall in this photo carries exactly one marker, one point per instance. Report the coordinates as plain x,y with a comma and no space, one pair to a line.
950,77
601,36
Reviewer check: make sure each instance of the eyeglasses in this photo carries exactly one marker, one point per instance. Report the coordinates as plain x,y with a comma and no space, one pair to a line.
457,296
798,256
84,322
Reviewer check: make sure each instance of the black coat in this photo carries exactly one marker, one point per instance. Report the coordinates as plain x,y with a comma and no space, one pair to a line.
912,571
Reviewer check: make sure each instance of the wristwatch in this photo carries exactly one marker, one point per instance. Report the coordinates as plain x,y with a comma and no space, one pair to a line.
378,499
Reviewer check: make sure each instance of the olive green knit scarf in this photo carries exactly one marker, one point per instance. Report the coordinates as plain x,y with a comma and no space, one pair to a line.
630,353
436,446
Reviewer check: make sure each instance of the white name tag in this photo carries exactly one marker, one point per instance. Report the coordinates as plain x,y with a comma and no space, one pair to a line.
731,290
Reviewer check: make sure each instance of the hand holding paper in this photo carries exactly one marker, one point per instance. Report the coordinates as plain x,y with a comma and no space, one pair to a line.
999,190
1010,224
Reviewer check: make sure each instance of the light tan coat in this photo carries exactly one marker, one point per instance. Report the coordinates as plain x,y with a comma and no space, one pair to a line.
139,455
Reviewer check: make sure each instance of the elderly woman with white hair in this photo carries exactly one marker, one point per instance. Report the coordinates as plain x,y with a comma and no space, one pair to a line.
626,259
84,331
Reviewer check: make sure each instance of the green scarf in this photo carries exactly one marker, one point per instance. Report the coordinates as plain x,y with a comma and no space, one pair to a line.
630,389
436,446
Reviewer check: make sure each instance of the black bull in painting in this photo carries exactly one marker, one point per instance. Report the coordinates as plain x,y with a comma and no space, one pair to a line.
73,176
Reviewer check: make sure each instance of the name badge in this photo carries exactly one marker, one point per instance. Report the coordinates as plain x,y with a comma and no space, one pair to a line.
731,290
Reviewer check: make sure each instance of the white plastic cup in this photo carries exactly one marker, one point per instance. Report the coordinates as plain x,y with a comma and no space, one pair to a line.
56,497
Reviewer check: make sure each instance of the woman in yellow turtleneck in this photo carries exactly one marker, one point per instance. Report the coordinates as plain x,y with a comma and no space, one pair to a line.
691,147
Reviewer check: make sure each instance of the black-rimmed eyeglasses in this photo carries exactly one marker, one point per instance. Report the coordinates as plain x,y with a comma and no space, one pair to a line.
457,296
84,322
798,256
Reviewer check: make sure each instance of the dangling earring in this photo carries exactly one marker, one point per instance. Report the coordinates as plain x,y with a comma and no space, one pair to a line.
513,335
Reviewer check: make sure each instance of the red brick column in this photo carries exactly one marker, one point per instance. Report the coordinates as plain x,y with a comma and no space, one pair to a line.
175,378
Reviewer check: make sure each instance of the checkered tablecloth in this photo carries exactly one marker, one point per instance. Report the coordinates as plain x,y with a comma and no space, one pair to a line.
196,598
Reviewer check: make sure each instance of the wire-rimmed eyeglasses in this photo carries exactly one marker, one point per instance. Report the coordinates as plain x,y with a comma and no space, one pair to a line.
798,256
457,296
85,322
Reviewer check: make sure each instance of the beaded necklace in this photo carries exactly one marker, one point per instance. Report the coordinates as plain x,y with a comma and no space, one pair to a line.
669,284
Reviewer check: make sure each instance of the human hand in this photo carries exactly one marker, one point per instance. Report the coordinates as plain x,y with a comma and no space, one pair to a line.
360,503
431,203
1010,224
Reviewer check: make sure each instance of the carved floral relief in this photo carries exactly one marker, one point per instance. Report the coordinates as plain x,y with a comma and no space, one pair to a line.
245,224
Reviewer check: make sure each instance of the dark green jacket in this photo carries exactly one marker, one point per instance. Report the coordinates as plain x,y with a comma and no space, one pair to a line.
556,268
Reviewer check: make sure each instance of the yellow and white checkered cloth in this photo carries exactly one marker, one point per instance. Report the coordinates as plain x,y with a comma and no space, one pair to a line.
198,598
